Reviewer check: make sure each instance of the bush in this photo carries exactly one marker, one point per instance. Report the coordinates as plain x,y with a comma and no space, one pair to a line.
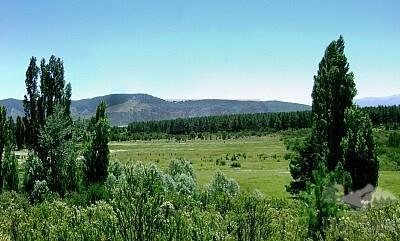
33,171
220,184
41,192
10,171
236,164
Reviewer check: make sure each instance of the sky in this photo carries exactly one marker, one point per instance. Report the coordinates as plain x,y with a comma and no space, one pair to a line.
180,49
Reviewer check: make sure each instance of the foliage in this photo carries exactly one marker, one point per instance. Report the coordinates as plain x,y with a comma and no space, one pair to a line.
97,152
321,202
33,171
337,134
220,184
394,139
333,92
3,138
376,223
61,168
359,149
183,178
10,171
20,133
39,104
40,191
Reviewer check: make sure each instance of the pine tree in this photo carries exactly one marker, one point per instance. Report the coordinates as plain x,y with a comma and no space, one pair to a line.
97,151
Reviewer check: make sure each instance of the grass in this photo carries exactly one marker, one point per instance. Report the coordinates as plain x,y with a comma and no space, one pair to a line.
263,166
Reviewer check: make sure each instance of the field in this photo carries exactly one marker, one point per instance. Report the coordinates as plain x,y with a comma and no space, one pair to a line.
262,162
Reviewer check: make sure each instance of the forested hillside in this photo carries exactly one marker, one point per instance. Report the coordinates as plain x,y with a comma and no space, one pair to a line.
125,108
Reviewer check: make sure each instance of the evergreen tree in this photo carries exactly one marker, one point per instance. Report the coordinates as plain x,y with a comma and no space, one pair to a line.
97,151
359,149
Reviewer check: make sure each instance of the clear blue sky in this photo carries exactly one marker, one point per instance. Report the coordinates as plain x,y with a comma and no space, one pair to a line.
180,49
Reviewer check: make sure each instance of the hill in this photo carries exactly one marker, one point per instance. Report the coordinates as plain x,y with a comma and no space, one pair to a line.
375,101
125,108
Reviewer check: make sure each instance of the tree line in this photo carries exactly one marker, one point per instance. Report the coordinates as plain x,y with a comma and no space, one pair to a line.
387,117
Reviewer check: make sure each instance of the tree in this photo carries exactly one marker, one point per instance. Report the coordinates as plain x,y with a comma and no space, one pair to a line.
30,105
20,133
359,149
3,139
39,105
62,156
333,92
97,152
320,199
10,170
8,162
48,124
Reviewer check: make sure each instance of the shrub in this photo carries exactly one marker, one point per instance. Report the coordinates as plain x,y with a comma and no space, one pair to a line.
220,184
41,191
33,171
236,164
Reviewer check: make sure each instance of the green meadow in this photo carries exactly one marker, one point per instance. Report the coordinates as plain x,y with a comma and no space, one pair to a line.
262,161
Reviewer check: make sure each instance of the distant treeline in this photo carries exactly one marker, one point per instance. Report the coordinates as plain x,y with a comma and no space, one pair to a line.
386,116
227,126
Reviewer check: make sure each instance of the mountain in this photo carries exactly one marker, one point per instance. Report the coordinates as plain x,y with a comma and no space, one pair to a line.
375,101
125,108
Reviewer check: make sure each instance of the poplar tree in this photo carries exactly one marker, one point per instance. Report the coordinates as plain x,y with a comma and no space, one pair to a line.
97,152
3,139
336,136
20,133
359,154
48,123
333,92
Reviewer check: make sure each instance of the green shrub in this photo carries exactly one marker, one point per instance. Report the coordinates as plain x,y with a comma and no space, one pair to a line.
236,164
41,191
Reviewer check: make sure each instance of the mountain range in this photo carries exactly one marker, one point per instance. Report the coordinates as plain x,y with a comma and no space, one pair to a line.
375,101
125,108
